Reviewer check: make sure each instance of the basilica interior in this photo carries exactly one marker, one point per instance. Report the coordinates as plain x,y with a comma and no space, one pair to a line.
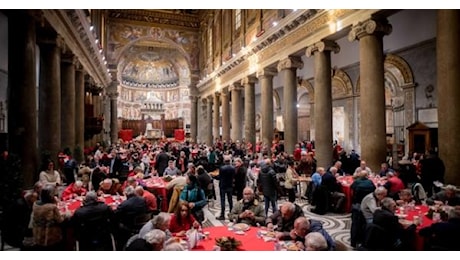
233,75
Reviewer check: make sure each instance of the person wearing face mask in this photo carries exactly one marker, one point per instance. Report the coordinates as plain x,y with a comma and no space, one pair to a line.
248,210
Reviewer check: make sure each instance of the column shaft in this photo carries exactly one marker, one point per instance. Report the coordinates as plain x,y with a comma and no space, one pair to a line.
323,100
194,119
208,138
249,111
266,88
225,116
22,110
448,79
79,113
372,87
68,103
288,68
50,96
236,132
216,117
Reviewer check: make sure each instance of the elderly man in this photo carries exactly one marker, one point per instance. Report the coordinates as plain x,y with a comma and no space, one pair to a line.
152,241
110,186
315,241
74,190
447,196
248,210
284,219
371,202
150,199
304,226
363,167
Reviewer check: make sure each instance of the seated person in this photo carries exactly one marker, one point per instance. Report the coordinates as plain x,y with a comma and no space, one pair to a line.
304,226
172,170
132,206
110,187
17,218
152,241
182,220
150,199
195,196
441,235
284,219
248,210
161,221
315,241
384,170
448,196
173,245
394,185
396,235
75,189
405,197
371,202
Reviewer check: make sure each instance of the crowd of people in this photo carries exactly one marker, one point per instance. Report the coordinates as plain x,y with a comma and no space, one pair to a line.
256,176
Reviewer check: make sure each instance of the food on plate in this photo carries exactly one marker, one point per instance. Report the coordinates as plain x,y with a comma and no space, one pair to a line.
241,227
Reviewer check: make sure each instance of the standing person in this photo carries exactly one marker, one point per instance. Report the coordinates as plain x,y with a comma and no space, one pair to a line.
161,162
269,184
226,177
240,178
289,181
433,170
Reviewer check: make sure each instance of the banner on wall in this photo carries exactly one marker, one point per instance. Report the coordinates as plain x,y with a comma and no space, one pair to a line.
179,135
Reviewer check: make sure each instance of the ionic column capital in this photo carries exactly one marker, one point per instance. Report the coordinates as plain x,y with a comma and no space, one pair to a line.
266,72
369,27
248,80
291,62
69,58
321,46
235,87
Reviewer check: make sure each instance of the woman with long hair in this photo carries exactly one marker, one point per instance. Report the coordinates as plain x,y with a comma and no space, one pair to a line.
182,220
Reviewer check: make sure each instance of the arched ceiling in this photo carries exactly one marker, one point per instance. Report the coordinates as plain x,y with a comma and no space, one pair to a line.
149,64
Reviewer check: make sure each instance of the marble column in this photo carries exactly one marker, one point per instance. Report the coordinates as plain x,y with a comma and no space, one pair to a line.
96,113
236,130
79,111
208,137
113,94
372,87
323,100
265,77
225,100
216,117
203,127
287,68
68,102
448,79
49,124
194,118
22,110
248,84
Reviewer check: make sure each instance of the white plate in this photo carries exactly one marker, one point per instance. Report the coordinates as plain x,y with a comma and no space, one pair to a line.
241,227
239,232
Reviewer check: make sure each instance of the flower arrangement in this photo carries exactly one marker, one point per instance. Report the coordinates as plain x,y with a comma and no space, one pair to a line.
227,243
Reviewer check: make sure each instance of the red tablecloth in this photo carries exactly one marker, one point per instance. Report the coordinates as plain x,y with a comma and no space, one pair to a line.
157,185
249,241
419,240
72,205
346,182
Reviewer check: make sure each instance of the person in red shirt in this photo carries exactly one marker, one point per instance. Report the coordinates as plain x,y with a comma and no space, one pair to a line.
75,189
182,220
150,199
394,185
297,153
